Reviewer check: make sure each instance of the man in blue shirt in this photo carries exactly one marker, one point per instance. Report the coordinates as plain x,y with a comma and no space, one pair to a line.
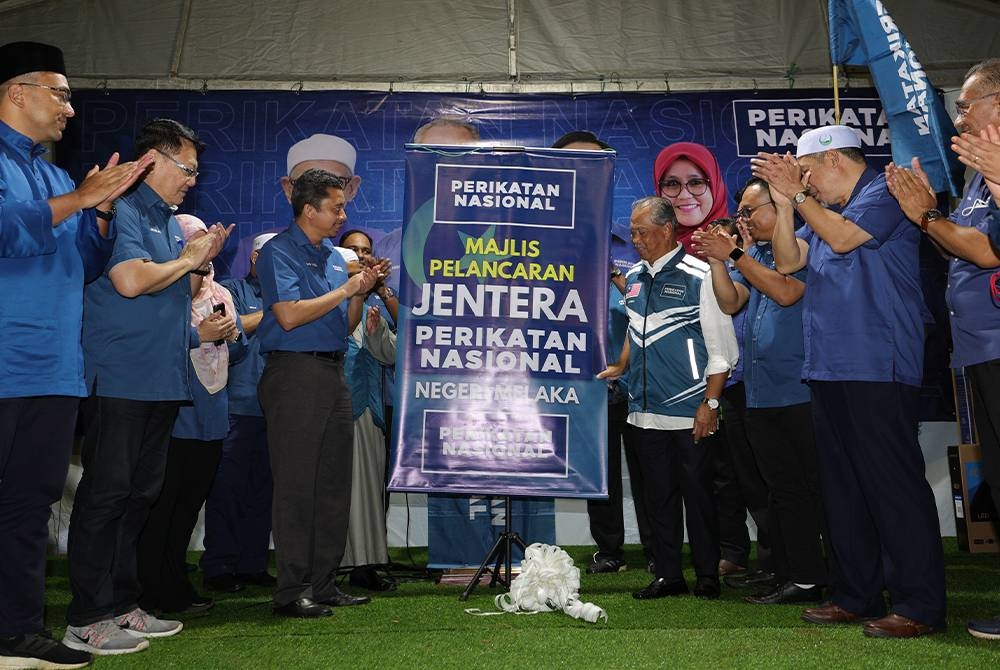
238,509
306,403
50,244
964,237
135,339
863,335
778,417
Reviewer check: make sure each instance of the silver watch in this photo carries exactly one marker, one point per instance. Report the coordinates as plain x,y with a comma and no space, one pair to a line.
713,403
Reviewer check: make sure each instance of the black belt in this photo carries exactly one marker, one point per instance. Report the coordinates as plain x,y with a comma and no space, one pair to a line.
328,355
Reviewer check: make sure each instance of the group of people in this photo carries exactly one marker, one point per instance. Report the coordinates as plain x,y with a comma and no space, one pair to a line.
793,333
756,367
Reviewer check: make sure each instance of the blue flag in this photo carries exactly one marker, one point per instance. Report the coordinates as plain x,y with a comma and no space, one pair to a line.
863,33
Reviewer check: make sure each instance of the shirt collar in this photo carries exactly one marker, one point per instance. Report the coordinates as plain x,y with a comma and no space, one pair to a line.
147,199
20,143
662,261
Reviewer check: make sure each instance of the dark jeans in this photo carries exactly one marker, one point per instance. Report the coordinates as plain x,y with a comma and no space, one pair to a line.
36,440
753,490
677,479
124,456
162,553
607,522
310,434
238,509
782,441
880,509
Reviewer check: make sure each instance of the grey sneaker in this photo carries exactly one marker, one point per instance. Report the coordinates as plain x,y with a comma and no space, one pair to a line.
140,623
102,638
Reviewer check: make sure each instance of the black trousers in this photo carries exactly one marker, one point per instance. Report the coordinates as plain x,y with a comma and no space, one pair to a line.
36,440
677,481
607,521
124,457
784,448
163,543
238,509
985,378
310,435
880,509
753,490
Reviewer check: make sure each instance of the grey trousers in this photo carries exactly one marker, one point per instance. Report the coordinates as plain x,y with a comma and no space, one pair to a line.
310,436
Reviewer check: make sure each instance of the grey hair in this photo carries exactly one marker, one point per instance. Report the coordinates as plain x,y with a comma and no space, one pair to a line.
446,122
661,212
989,69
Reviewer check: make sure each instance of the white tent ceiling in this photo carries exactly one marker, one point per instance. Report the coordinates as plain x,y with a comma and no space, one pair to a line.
478,45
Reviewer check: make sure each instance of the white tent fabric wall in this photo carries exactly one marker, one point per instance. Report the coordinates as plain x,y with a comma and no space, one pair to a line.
517,45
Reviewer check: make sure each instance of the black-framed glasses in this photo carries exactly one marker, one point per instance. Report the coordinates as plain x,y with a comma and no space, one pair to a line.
672,187
746,212
962,107
189,171
63,94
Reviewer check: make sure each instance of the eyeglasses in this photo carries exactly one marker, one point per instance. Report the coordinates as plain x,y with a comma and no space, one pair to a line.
63,94
746,212
190,172
672,187
962,106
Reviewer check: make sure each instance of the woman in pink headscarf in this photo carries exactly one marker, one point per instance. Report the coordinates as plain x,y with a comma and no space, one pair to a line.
687,174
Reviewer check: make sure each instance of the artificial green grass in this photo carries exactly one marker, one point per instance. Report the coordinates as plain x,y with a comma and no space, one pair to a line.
423,625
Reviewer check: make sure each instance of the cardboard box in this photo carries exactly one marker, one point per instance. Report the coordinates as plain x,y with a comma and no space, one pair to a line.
964,416
974,523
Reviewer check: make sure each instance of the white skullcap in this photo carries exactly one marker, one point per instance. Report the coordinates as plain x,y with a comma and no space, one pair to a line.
322,147
261,240
349,255
828,137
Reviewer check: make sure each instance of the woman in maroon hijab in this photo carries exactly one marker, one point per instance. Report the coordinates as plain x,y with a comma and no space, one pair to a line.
687,174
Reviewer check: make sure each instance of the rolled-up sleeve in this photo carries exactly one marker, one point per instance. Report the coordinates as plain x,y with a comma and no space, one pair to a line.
720,338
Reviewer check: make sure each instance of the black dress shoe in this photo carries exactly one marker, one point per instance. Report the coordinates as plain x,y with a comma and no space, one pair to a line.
755,579
262,578
198,605
367,577
661,588
303,608
224,583
341,599
707,588
788,592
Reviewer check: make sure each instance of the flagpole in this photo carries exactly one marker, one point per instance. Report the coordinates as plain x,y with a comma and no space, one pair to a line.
836,96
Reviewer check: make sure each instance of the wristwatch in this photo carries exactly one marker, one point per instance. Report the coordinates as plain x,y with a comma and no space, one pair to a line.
927,217
107,216
388,293
800,197
713,403
616,273
736,254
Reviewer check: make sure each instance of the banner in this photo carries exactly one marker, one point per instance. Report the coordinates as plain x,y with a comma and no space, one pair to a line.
863,33
503,320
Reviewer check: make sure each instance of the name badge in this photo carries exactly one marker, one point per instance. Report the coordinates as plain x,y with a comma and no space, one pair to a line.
673,291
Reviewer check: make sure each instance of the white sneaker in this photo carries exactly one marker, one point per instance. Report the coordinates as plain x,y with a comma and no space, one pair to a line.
102,638
140,623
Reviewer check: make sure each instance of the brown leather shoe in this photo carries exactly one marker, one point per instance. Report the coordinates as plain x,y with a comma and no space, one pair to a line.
895,625
830,614
727,567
